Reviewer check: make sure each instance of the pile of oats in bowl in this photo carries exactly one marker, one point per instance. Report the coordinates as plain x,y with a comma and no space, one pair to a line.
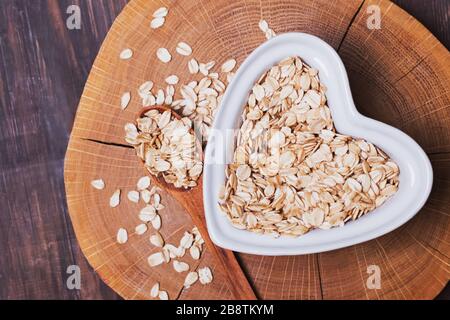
291,171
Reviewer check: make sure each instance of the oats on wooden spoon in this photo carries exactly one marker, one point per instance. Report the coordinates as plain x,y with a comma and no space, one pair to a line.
168,147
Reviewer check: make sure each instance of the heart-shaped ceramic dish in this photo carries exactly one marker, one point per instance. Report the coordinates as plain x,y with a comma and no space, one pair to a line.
416,174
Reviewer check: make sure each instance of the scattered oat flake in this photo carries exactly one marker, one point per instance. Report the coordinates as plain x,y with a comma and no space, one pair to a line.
157,22
126,54
203,69
98,184
163,295
180,252
190,279
160,97
205,275
146,87
133,196
114,201
156,259
270,34
122,236
156,222
161,12
193,66
171,249
180,266
154,291
157,240
141,229
156,199
173,79
228,65
187,240
166,254
195,252
143,183
125,100
146,196
184,49
163,55
263,26
147,214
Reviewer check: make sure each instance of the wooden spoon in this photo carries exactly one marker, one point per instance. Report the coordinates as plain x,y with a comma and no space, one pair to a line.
192,200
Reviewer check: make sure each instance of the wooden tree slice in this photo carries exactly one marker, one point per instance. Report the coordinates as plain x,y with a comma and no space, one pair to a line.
399,74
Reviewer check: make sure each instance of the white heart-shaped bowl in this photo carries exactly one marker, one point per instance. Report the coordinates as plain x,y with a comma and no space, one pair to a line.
416,175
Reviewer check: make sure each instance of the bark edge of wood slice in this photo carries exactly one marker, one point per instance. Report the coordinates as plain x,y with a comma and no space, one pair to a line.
398,75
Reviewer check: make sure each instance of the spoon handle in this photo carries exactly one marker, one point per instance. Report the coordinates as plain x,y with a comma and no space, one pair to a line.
192,201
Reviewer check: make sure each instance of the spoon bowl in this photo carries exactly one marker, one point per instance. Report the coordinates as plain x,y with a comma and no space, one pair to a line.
160,181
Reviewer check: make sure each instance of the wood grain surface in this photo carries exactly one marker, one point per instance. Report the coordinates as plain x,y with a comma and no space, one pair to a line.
44,67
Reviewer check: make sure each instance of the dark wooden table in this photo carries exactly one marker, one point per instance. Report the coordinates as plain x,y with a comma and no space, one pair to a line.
43,68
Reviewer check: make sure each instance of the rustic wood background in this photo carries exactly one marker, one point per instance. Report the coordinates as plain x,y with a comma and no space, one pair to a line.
43,68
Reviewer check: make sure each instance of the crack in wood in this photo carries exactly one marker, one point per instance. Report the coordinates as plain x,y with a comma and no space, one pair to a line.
350,24
319,275
113,144
247,275
438,251
437,153
417,64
